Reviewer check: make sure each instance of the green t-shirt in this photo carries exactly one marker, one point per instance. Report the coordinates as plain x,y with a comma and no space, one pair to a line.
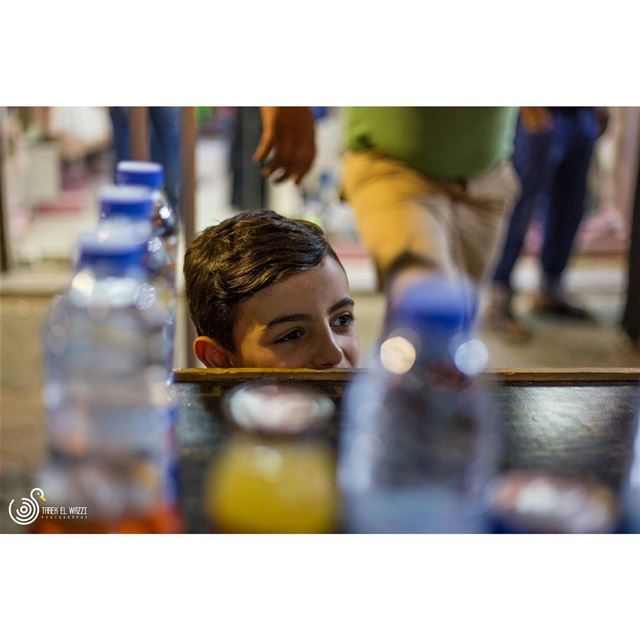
441,142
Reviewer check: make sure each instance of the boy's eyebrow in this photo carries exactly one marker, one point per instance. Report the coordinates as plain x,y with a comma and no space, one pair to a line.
293,318
297,317
342,303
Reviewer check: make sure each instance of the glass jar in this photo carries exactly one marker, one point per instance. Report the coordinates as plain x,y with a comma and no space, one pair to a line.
276,472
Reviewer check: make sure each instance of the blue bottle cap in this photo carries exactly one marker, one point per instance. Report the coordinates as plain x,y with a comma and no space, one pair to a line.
146,174
118,250
437,304
131,202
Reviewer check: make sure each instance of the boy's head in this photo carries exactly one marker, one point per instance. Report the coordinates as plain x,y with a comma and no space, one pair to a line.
266,291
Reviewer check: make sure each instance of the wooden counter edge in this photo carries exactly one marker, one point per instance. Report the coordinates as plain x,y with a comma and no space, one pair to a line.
537,376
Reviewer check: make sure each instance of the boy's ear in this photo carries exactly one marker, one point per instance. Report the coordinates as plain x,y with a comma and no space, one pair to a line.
211,354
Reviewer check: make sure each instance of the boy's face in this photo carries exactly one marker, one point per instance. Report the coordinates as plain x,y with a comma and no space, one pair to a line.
305,321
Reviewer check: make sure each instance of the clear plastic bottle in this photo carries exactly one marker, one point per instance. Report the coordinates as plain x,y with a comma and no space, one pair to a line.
132,207
631,489
108,397
163,218
419,443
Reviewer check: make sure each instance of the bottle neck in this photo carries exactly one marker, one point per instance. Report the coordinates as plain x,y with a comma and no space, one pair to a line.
113,288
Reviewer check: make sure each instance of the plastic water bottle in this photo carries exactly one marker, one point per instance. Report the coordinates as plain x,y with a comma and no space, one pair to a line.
108,397
419,443
163,218
132,207
631,490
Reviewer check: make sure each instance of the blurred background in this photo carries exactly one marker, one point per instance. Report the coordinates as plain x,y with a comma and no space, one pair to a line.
55,159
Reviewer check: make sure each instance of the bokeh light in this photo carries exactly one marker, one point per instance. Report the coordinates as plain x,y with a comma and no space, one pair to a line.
397,355
471,357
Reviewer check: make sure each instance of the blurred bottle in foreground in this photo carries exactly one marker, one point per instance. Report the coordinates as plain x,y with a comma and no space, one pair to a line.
108,397
419,442
276,472
631,489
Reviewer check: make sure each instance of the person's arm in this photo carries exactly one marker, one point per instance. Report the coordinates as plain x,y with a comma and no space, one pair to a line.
287,146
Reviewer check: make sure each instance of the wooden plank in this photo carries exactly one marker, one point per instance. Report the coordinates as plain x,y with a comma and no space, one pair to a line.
139,133
537,376
564,377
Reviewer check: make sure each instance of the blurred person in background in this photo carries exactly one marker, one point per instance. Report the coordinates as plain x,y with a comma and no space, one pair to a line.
165,143
248,186
553,150
631,314
429,186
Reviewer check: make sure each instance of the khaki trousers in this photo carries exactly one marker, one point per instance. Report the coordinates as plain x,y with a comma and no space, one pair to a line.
454,225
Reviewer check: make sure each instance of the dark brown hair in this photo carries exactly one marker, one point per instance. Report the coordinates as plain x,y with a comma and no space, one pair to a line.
235,259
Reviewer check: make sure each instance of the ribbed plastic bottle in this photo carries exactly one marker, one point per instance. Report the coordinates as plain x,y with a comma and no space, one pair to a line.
110,406
631,487
133,207
419,442
163,218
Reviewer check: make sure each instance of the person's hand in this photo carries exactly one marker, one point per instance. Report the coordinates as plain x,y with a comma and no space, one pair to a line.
536,119
287,145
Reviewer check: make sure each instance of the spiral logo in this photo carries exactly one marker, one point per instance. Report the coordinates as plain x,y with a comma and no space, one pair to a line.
29,510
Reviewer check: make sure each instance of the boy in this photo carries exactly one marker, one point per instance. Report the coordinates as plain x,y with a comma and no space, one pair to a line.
266,291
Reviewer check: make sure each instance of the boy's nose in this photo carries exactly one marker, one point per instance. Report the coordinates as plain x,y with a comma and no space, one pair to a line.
328,354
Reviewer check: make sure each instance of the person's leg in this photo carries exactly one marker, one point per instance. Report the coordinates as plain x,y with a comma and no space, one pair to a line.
403,218
165,148
249,187
121,140
566,210
479,211
631,315
535,166
535,160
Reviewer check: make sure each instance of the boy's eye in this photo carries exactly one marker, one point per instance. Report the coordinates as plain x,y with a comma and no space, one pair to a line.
292,335
344,320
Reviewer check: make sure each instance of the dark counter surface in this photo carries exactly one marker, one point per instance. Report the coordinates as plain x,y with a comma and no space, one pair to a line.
571,421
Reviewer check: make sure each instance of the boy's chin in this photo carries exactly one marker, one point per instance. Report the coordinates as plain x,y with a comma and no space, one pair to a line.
291,366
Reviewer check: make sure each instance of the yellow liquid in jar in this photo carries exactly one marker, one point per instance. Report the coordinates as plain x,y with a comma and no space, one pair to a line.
269,486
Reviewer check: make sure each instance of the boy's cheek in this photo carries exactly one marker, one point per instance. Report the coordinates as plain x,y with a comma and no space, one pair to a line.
268,357
355,359
351,348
